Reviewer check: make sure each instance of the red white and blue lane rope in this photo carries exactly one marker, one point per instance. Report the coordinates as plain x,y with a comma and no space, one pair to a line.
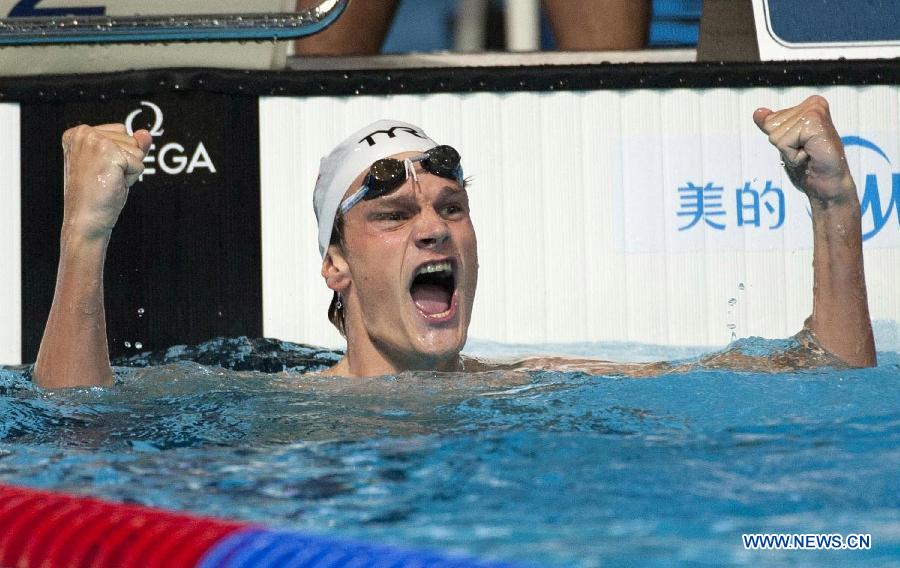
46,529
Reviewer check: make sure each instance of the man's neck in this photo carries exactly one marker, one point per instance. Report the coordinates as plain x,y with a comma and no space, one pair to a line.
365,359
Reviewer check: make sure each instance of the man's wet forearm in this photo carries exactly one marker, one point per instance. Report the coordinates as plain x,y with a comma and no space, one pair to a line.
840,318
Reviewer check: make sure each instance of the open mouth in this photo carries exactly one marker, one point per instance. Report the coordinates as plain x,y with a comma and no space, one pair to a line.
433,288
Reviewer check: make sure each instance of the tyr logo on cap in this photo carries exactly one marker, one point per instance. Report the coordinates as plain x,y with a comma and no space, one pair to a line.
390,132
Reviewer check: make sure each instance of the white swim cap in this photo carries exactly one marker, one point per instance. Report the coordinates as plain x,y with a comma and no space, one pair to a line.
352,157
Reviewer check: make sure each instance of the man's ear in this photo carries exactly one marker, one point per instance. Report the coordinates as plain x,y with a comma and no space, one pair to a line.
335,269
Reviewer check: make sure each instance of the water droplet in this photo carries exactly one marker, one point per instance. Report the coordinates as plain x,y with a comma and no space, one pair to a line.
128,344
781,163
733,336
729,326
138,345
741,286
140,312
732,301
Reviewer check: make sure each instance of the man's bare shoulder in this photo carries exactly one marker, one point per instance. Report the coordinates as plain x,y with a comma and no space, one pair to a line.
802,352
572,364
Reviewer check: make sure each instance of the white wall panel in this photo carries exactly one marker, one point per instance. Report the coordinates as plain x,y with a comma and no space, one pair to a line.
10,238
575,201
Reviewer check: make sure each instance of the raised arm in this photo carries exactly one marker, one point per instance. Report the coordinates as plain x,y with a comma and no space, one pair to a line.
815,162
101,163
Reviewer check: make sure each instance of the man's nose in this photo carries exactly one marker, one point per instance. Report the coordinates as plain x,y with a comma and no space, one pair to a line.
431,230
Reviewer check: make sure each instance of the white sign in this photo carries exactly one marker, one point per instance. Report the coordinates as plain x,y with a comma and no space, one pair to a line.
707,201
49,8
10,237
51,59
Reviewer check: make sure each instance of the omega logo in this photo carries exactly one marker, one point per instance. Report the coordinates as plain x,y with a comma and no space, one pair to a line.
172,158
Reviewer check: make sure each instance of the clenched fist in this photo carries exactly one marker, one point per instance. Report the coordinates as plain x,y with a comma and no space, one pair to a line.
101,164
811,149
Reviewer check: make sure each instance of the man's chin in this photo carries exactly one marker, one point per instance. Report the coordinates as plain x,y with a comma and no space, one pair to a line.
441,347
437,349
438,339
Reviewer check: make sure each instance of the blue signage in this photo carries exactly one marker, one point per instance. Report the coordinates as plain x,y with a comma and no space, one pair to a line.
761,205
31,9
877,203
822,22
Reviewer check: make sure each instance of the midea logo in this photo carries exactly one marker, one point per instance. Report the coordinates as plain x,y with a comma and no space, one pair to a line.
878,199
172,158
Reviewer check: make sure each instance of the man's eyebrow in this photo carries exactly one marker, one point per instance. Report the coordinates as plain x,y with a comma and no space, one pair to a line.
450,190
394,199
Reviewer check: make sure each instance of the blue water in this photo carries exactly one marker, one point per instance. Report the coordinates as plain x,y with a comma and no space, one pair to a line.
543,469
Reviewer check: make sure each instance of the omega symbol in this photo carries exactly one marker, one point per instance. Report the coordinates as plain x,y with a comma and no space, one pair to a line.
172,157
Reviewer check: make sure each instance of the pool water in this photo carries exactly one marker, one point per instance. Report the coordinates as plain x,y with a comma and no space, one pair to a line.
541,469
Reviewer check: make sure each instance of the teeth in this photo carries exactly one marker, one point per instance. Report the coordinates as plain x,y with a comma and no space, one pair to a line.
435,267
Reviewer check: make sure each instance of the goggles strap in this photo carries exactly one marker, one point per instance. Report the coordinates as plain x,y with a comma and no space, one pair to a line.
410,170
354,199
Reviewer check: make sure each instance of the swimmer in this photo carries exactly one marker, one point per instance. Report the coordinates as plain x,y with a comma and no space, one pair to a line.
399,253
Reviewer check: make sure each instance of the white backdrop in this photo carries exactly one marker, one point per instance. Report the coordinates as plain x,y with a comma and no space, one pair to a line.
577,207
10,237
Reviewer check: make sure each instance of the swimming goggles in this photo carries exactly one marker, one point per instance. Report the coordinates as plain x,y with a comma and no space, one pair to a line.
388,174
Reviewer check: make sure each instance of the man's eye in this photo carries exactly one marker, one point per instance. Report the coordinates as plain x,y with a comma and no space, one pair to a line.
390,216
452,210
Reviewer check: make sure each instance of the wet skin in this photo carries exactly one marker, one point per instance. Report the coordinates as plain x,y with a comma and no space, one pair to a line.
385,241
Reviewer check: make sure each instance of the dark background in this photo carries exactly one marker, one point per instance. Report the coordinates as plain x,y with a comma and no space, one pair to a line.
186,248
